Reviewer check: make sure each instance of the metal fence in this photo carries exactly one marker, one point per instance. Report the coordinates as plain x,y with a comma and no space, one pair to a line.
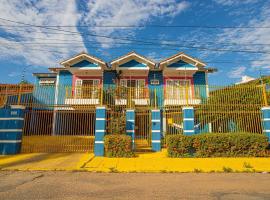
62,118
132,97
58,131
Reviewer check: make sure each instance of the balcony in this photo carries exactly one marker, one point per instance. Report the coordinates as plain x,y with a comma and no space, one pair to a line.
132,96
180,96
83,95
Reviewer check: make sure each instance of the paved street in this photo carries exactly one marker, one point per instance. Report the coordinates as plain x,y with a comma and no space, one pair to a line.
85,185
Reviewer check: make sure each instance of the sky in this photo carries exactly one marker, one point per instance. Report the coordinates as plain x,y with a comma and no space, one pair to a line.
230,35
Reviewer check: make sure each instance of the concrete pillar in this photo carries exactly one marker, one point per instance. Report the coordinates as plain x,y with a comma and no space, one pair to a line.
100,131
130,125
188,120
156,130
11,125
266,121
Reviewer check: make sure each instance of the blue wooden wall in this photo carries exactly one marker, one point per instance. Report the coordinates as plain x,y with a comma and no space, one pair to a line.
181,64
64,83
84,63
200,85
43,95
133,63
159,88
108,79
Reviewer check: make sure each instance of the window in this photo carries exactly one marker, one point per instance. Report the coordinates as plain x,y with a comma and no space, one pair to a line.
87,88
135,86
178,89
47,82
132,83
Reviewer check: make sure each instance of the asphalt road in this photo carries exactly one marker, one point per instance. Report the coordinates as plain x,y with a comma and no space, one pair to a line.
85,185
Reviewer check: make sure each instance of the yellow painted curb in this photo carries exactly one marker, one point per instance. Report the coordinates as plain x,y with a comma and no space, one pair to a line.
144,162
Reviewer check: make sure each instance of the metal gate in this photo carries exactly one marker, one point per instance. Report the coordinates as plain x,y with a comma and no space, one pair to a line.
173,122
143,126
58,131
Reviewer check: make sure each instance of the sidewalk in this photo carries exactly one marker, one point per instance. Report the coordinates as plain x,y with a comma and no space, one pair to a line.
144,162
45,161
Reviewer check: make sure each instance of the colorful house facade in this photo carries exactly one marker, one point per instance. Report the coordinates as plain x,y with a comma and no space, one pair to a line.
135,79
89,97
74,106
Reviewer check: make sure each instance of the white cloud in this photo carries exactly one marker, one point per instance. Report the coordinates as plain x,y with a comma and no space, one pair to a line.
254,39
237,72
235,2
128,13
43,13
153,56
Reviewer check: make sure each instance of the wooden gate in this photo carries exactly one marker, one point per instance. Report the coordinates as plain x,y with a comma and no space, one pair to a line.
143,126
58,131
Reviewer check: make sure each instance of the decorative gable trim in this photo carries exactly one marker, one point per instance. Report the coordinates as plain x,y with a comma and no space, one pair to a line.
132,56
84,56
184,57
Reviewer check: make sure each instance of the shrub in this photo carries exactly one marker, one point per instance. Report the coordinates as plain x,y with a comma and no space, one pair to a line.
218,145
118,146
180,145
230,145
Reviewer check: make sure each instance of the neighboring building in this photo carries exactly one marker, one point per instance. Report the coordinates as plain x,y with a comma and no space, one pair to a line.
86,80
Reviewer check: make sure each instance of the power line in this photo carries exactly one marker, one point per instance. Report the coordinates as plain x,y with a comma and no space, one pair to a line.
150,39
147,26
206,61
128,39
104,42
161,45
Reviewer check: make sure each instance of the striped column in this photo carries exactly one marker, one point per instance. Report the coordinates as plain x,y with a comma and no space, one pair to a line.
130,125
100,130
266,121
188,120
11,125
156,130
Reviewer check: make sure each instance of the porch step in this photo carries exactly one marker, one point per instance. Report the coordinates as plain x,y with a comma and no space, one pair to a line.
143,150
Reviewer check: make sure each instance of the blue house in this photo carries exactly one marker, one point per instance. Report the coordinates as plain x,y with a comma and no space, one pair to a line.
132,85
135,79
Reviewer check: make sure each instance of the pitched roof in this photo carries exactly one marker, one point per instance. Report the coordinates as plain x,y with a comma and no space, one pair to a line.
133,53
83,55
182,54
45,74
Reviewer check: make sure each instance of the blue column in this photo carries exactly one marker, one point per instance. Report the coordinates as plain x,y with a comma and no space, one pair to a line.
156,130
266,121
100,130
188,120
11,125
130,125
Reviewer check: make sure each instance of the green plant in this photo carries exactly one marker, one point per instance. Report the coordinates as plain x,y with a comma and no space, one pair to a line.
227,169
180,146
117,124
197,170
118,146
217,145
230,145
247,165
113,170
